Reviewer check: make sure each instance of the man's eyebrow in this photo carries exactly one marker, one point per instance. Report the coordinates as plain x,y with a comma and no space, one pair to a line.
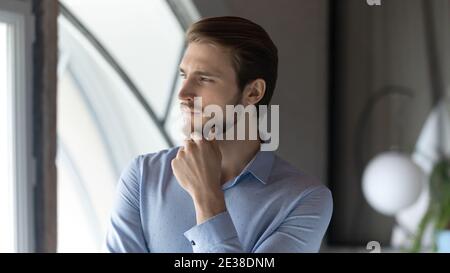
202,72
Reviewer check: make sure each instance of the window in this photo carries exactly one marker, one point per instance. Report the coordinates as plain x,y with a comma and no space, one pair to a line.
6,181
16,161
117,74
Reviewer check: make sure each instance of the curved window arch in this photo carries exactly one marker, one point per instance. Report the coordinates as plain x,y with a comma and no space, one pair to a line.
118,72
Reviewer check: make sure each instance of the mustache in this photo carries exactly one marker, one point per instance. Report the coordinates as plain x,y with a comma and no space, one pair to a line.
190,106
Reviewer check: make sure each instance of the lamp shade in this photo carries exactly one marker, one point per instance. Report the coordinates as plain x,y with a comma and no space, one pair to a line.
392,182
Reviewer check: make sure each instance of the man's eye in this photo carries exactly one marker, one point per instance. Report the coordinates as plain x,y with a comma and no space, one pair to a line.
204,79
183,75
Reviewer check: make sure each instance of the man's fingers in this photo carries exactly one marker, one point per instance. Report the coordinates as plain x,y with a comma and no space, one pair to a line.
197,140
180,151
196,137
188,145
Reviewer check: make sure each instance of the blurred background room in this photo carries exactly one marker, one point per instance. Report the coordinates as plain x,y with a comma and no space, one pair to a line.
363,85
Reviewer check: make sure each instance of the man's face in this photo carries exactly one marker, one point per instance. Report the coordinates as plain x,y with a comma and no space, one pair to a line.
207,72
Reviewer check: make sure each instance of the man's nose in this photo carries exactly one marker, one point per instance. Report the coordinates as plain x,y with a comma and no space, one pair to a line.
187,91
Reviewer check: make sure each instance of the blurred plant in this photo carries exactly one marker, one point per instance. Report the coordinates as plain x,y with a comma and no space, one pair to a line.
438,212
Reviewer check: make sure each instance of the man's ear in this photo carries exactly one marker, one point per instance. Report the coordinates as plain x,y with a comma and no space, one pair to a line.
254,92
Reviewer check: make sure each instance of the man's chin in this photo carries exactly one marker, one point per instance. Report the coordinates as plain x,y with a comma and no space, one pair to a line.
189,132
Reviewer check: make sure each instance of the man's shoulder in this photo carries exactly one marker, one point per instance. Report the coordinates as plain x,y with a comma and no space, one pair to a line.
151,160
152,165
293,178
159,157
294,186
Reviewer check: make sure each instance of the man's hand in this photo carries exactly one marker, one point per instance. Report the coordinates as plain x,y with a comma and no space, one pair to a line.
197,168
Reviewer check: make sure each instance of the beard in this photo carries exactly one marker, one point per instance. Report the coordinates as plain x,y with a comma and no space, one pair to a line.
189,126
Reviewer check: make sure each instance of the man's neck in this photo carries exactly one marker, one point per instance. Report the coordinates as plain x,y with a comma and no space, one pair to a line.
236,154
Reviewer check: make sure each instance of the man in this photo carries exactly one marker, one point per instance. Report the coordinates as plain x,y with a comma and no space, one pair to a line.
214,195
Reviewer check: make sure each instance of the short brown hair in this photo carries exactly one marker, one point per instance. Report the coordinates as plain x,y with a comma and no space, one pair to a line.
254,53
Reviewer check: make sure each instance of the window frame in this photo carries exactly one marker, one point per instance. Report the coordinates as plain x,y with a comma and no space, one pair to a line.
20,27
